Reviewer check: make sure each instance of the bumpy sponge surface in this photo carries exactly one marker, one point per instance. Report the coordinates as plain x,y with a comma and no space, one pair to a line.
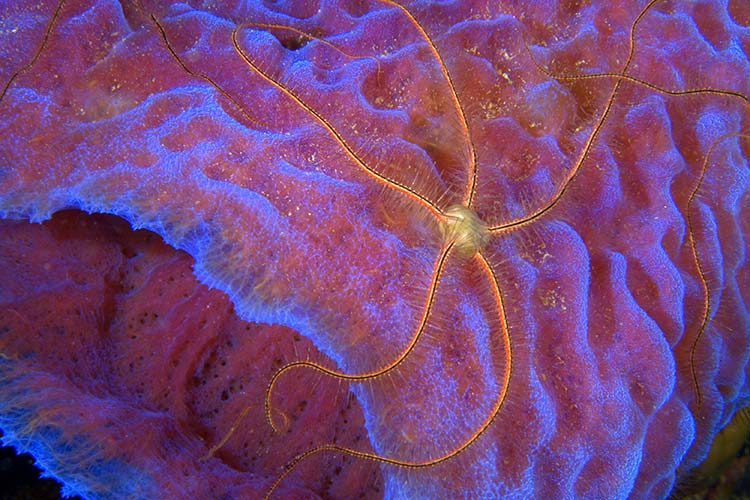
303,157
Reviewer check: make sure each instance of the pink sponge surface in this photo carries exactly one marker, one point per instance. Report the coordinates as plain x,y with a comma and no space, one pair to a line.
126,371
295,164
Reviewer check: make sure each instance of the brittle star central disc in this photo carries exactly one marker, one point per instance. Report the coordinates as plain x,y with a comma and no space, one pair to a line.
461,227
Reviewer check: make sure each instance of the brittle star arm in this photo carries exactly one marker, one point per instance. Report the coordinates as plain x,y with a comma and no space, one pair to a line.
359,377
501,396
310,36
431,206
696,91
38,52
636,81
203,77
472,177
589,141
698,265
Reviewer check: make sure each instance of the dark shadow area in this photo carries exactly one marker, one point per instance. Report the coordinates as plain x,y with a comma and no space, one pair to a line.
20,478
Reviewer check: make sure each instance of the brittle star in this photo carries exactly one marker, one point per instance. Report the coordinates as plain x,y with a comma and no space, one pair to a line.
462,231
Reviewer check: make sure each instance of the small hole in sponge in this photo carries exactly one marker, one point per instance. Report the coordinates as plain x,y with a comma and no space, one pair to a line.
293,39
